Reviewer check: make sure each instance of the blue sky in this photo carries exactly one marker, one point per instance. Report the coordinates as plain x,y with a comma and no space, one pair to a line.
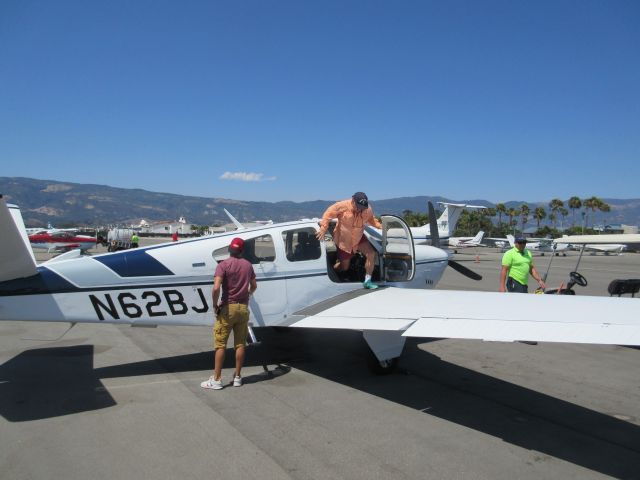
297,100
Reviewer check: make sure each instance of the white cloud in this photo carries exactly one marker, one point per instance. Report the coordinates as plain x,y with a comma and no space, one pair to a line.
246,177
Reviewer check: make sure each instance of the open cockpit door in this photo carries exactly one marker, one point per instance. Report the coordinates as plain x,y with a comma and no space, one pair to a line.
398,254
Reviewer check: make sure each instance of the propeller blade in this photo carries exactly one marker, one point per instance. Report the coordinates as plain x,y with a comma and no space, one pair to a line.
458,267
433,226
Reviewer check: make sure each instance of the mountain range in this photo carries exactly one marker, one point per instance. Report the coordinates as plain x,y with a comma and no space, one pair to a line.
66,203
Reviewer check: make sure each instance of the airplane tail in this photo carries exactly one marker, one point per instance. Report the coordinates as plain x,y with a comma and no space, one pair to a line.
478,237
511,240
449,218
16,256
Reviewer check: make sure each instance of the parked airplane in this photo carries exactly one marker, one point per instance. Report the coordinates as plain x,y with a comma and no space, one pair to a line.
456,243
446,223
601,243
606,248
170,284
543,245
61,241
49,229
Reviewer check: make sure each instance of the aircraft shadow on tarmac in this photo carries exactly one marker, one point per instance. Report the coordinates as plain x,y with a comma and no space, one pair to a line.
425,382
49,382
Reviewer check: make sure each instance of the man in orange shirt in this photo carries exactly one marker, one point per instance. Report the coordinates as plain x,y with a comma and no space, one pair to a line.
348,236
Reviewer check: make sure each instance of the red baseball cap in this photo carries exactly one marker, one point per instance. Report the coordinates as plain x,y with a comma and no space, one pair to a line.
237,244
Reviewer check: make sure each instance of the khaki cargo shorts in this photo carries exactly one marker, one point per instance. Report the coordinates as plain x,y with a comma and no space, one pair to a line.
233,317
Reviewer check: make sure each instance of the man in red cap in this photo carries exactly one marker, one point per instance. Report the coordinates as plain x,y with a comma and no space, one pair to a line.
352,215
237,280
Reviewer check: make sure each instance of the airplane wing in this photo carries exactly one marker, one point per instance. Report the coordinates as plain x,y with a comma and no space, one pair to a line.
487,316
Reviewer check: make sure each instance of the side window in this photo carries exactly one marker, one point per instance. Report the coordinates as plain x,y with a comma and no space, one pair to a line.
301,244
256,250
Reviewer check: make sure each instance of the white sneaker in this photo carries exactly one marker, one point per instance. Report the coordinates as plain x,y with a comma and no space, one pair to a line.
212,384
237,381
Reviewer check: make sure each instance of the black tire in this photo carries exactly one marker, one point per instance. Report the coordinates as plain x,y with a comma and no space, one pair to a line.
382,368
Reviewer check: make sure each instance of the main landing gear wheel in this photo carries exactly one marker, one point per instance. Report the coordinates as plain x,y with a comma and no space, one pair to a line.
383,367
578,279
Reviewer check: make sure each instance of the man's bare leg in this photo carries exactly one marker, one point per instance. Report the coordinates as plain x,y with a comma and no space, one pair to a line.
219,360
239,359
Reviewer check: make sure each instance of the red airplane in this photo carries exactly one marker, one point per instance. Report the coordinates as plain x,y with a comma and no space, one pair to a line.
61,241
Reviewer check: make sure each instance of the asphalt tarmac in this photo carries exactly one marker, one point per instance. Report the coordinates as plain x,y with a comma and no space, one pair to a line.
115,402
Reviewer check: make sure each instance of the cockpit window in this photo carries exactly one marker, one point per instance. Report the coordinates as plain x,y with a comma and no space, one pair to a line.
256,250
301,244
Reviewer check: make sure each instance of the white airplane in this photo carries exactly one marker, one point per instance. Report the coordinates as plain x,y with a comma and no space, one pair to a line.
456,243
543,245
49,229
446,223
601,243
170,284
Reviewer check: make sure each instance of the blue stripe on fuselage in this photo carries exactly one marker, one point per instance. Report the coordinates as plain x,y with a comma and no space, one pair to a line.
134,263
45,281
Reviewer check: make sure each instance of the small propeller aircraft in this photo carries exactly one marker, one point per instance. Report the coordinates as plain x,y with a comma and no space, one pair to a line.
466,242
170,284
543,245
601,243
61,241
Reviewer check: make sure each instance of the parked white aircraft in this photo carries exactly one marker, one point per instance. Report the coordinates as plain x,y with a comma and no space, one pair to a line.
446,223
601,243
50,229
456,243
542,245
170,284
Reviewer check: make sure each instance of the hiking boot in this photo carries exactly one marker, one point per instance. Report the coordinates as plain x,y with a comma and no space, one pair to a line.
212,384
370,285
237,381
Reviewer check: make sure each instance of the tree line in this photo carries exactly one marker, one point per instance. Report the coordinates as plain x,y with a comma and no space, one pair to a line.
517,218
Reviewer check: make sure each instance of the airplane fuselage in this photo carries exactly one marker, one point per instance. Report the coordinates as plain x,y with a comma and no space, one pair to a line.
171,283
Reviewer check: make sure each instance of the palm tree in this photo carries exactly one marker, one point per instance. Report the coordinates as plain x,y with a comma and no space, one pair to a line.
604,208
524,214
592,204
555,205
574,204
501,208
564,212
512,213
539,214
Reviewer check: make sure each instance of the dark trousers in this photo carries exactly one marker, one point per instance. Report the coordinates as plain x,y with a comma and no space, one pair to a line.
516,287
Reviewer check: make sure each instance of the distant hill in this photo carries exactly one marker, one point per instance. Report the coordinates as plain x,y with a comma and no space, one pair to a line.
64,203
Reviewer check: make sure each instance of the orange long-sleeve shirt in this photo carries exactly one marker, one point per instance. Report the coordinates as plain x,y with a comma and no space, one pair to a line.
351,222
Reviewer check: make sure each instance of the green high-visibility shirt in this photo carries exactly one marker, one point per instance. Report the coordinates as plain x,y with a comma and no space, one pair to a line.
135,239
519,264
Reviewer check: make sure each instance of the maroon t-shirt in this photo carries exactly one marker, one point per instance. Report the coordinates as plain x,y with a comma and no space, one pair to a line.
236,274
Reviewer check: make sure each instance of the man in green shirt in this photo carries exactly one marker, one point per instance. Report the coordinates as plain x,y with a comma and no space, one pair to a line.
517,263
135,240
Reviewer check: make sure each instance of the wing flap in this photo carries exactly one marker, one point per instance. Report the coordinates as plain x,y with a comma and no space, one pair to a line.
510,331
354,323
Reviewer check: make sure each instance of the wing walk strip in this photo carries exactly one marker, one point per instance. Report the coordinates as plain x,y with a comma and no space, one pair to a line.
479,315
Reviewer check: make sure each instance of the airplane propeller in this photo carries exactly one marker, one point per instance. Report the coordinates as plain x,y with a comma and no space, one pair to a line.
435,241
